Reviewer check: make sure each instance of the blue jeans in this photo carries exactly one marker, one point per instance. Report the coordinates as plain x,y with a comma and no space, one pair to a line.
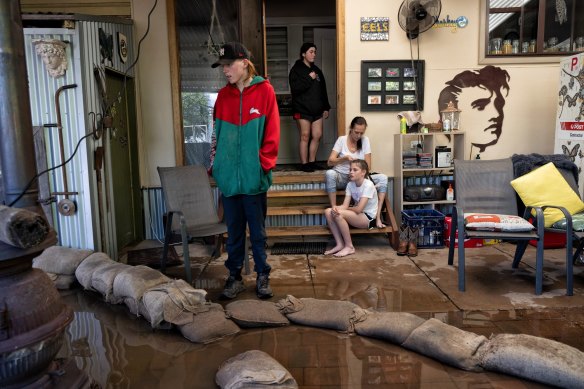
337,181
242,210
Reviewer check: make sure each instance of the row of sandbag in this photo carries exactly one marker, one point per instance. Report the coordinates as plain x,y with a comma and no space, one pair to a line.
164,302
147,292
525,356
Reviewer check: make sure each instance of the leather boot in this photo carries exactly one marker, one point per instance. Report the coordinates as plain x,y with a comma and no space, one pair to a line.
404,237
413,242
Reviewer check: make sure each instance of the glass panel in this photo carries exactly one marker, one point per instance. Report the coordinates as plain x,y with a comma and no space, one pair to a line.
558,24
529,27
277,51
578,43
202,27
512,26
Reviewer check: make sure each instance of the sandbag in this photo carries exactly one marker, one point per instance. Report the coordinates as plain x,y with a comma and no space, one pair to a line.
207,327
172,303
332,314
22,228
103,280
253,369
447,344
88,266
61,281
131,283
538,359
392,327
255,313
60,260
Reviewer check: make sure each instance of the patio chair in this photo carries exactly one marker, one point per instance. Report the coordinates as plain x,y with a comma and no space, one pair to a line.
548,184
483,186
187,193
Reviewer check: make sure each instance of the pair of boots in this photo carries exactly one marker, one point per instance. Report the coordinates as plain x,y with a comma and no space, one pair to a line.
408,240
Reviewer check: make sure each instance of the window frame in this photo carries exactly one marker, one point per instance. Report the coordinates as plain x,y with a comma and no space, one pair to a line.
536,58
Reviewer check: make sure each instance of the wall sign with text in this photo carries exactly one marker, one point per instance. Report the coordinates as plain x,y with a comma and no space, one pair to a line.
375,29
392,85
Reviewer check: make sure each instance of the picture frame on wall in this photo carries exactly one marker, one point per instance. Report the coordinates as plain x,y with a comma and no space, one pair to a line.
374,99
409,85
392,99
374,72
392,85
409,72
409,99
374,86
392,72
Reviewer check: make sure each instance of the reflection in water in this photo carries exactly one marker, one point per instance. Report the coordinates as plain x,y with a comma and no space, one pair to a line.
119,350
381,366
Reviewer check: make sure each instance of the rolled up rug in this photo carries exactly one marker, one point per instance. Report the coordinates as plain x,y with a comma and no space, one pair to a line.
22,228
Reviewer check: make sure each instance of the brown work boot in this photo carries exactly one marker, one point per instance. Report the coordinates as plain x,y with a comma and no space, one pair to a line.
404,233
413,242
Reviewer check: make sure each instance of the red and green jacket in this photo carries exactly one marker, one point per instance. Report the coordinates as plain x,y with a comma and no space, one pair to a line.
247,132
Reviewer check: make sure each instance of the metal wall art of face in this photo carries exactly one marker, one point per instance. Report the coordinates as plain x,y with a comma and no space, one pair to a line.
52,52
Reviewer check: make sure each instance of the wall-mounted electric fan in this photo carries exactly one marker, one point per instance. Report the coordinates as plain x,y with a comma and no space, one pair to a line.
417,16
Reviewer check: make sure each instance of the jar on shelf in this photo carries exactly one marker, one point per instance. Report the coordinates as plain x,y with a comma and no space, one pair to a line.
525,47
496,46
532,46
515,46
507,46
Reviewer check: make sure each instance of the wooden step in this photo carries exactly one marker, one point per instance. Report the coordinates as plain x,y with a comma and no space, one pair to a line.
297,210
319,230
297,193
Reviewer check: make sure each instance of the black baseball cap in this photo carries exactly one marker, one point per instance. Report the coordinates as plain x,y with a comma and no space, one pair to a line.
229,52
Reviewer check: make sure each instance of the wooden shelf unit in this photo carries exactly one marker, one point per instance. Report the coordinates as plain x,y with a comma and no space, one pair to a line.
455,140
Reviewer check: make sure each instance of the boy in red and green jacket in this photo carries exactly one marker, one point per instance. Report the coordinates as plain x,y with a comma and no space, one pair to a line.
247,136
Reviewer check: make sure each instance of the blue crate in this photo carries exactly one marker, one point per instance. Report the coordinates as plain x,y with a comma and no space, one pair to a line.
430,224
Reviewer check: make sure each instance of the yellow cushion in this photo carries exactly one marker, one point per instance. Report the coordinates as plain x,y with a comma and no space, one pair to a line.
546,186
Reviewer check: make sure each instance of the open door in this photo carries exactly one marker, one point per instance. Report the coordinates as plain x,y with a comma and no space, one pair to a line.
325,40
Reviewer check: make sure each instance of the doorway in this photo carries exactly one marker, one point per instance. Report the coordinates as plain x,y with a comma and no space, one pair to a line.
287,27
122,177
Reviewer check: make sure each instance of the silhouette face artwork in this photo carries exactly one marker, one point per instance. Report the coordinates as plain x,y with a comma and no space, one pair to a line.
482,92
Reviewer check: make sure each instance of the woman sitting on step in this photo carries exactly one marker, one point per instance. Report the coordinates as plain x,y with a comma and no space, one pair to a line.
360,215
347,148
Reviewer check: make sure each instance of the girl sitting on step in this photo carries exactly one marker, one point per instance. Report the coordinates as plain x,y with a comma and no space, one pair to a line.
361,215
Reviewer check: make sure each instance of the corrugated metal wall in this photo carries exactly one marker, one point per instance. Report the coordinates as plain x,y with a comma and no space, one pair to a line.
81,230
154,208
75,230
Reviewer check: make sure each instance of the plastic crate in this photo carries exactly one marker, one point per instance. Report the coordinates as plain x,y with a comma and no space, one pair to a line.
430,224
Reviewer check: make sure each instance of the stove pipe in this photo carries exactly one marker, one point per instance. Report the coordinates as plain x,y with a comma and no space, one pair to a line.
17,162
33,318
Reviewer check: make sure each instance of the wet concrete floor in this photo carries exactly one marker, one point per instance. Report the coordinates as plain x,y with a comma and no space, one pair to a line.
119,350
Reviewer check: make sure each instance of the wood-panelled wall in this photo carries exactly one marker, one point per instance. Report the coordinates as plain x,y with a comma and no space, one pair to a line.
121,8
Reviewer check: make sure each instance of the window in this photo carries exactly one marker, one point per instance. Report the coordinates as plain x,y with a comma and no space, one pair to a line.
516,29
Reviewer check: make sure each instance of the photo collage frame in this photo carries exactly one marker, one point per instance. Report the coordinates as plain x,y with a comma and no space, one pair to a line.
392,85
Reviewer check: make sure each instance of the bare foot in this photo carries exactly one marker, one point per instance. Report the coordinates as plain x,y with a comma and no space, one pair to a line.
335,249
380,224
346,251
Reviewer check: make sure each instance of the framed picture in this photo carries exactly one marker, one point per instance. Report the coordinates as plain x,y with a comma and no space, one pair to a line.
409,99
409,72
392,72
392,85
374,72
374,86
391,99
409,85
374,99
